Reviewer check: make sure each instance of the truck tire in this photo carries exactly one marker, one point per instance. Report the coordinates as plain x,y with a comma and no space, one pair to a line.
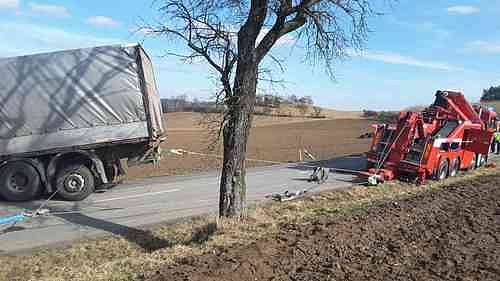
19,181
479,161
75,182
455,167
484,159
442,171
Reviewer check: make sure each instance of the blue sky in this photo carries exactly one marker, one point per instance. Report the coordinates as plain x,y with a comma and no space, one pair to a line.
414,49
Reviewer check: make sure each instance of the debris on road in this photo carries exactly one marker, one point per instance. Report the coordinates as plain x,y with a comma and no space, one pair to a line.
320,175
288,196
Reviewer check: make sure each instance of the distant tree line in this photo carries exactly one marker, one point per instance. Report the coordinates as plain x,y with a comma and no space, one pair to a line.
276,101
491,94
381,116
183,104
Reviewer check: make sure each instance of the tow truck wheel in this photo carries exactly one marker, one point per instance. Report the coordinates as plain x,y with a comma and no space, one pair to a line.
479,161
455,166
442,171
75,182
484,159
19,181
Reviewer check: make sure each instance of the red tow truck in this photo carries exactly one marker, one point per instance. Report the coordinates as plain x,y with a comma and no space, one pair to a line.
448,136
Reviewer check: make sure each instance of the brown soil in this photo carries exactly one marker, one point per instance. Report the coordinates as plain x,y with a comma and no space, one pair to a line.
179,121
272,138
448,234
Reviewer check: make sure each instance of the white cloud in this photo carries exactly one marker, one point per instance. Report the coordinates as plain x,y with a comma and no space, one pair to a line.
52,10
485,47
394,58
103,21
9,4
463,10
23,39
427,27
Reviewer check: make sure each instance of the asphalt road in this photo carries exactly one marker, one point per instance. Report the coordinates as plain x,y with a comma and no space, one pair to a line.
150,201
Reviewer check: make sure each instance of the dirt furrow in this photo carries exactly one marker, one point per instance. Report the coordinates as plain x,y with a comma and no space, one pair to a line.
449,234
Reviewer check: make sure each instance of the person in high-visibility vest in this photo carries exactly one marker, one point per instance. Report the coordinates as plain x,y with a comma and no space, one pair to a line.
493,146
496,142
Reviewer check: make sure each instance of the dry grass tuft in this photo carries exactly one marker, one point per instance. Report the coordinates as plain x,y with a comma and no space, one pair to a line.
117,258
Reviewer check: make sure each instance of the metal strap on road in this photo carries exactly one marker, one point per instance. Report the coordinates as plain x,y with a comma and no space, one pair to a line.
320,174
182,152
12,219
285,196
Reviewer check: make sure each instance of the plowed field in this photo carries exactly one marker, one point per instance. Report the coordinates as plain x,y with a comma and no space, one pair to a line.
449,234
272,138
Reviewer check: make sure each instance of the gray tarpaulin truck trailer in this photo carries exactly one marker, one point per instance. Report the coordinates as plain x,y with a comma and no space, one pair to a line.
67,118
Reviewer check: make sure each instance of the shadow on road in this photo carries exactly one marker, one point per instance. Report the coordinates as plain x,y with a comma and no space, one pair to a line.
145,239
10,229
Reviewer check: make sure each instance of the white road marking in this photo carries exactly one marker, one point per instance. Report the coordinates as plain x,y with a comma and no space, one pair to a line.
136,196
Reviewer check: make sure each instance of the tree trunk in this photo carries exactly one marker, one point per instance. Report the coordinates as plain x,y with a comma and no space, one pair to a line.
232,201
241,102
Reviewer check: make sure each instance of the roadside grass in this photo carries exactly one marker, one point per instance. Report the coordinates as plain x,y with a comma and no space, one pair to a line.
138,253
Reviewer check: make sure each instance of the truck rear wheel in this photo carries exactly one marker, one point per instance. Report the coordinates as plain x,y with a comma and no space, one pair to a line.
479,160
442,171
75,182
455,167
19,181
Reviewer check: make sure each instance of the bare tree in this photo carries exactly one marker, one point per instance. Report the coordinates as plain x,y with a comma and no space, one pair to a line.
235,37
302,108
317,112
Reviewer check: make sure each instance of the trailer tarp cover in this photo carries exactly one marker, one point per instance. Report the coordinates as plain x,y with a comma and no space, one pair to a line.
77,97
